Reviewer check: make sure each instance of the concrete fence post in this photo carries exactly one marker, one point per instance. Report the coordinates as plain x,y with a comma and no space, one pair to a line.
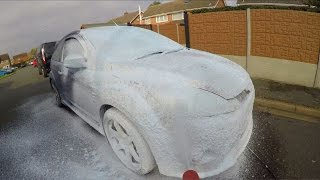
248,37
186,28
177,25
316,83
158,28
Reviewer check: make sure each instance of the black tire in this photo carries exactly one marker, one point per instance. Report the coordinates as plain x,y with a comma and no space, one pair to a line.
57,95
136,154
45,73
40,70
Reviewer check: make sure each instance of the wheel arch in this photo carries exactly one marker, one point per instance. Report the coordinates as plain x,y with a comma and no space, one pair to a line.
103,109
142,116
50,81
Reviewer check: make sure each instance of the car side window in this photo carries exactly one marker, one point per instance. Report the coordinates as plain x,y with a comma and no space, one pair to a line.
72,47
56,56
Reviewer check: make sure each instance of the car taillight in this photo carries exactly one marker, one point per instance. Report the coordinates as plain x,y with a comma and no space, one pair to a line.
43,56
190,175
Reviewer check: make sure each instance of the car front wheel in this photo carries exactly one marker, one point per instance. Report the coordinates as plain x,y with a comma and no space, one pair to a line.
57,95
127,143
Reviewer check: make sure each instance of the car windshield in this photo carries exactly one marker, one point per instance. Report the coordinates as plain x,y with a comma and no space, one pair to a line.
128,43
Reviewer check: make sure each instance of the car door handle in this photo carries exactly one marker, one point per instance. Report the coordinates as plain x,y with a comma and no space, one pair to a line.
60,72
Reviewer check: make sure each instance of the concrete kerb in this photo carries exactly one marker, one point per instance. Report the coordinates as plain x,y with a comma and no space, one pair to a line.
294,111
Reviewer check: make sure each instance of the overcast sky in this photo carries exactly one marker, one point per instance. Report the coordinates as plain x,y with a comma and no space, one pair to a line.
27,24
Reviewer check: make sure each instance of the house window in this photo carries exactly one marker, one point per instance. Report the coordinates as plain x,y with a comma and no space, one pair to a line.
177,16
147,21
162,18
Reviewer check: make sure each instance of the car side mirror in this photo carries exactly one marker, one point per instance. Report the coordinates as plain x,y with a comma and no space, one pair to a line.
74,61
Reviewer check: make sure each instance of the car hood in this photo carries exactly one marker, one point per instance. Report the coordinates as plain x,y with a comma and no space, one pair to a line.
205,71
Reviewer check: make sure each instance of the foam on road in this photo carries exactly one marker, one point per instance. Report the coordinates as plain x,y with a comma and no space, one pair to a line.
48,142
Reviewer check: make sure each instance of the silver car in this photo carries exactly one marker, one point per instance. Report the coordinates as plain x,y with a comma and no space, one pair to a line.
156,102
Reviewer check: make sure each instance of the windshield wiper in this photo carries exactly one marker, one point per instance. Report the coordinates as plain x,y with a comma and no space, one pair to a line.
158,52
172,51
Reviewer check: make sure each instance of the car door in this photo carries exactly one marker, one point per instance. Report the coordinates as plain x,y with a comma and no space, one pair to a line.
88,83
73,71
79,80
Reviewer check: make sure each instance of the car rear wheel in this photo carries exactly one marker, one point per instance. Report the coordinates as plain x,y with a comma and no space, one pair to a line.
40,70
44,72
127,143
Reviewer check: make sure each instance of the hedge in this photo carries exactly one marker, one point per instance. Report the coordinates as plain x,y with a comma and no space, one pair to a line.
244,7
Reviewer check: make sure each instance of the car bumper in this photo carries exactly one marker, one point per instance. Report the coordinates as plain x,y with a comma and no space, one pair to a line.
227,141
213,143
212,168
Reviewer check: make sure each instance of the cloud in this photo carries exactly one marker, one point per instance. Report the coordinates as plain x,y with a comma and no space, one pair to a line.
27,24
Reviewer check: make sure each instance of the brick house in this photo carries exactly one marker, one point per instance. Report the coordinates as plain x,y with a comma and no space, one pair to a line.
173,11
271,2
132,18
20,58
5,60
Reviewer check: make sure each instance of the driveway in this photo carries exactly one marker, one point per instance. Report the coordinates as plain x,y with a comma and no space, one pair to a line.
41,141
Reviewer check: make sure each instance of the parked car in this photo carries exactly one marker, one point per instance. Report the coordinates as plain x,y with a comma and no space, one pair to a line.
9,69
156,102
23,64
43,54
2,72
6,71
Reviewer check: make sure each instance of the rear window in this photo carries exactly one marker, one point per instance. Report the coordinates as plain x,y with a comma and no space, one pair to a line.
49,47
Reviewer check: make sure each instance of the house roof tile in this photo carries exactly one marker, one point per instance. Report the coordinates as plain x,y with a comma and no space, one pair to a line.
294,2
22,55
178,5
4,57
124,19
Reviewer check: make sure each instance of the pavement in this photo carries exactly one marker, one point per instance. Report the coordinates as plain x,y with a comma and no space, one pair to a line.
297,102
293,94
16,88
41,141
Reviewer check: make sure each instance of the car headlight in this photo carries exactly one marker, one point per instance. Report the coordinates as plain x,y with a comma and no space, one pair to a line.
243,95
206,103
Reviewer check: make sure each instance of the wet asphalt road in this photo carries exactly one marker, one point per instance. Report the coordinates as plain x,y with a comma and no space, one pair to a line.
41,141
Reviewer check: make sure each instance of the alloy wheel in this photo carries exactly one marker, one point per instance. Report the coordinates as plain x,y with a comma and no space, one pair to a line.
123,144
